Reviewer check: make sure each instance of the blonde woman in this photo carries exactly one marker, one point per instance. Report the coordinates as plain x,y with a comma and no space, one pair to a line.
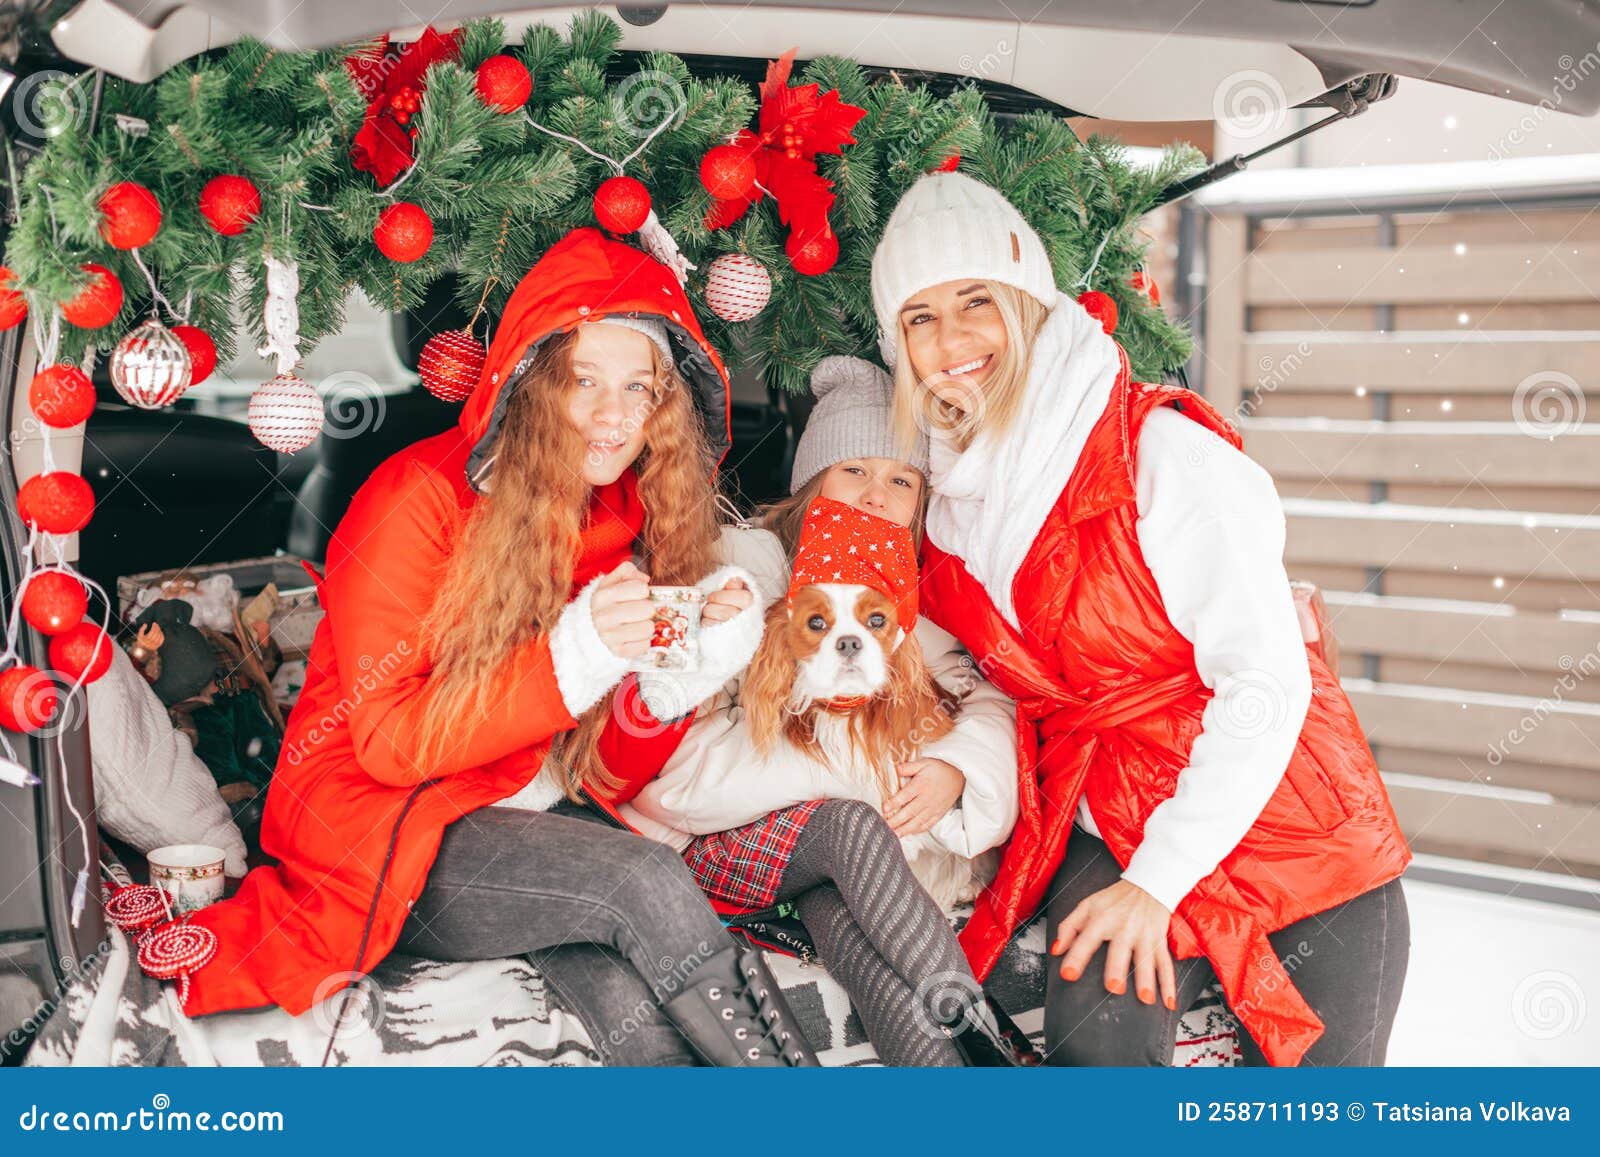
1198,800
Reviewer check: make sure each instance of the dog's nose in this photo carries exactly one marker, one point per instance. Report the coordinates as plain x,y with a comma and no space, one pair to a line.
849,646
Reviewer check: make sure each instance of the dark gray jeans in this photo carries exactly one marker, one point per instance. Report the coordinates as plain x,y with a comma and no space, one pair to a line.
614,921
1349,963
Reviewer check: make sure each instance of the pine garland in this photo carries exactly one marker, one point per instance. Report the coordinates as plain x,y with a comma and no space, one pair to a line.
500,192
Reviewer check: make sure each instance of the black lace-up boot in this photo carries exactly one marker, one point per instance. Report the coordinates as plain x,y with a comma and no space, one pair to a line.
733,1013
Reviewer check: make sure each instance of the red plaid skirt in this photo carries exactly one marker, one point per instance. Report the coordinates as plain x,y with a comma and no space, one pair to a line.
744,866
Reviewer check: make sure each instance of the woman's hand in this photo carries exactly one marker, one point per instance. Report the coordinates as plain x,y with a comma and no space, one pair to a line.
620,607
726,603
930,788
1134,924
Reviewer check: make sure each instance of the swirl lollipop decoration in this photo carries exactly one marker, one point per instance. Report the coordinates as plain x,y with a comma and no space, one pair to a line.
175,950
137,908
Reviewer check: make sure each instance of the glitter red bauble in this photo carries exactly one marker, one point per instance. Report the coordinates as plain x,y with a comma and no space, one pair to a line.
61,396
81,654
13,306
202,351
404,232
450,364
54,601
812,255
58,502
230,203
130,215
1100,307
1146,284
728,172
28,698
98,302
503,83
621,204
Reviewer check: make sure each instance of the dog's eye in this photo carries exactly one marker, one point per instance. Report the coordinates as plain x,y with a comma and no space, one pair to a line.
876,620
817,623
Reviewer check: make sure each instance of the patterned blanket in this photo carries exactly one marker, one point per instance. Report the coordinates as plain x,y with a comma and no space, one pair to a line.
493,1012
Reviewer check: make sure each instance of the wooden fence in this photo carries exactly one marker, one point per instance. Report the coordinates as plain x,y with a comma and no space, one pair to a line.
1421,374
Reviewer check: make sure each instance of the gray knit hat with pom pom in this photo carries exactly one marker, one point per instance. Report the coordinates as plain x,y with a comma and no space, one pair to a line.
850,420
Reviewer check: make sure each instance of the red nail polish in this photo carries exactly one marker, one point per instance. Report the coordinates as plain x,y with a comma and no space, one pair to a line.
1146,996
1068,972
1057,946
1172,1005
1117,986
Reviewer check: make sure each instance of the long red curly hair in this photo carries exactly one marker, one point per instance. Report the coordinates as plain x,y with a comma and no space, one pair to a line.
510,574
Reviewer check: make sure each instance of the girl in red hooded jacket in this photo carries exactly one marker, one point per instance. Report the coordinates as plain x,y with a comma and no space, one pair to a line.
450,773
1198,801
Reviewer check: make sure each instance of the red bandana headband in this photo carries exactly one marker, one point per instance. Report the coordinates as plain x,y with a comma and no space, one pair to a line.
840,544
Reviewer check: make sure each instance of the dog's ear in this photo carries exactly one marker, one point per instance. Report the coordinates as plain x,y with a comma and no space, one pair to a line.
764,692
907,714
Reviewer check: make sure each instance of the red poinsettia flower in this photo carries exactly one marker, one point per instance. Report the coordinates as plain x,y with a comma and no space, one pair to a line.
797,122
393,87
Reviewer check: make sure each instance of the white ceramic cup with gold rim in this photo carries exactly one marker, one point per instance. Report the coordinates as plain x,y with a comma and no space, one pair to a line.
190,875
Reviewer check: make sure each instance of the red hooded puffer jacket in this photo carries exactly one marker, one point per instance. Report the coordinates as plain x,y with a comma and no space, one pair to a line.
353,825
1108,707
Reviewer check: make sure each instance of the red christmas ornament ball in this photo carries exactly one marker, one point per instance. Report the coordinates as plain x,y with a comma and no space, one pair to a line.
202,351
98,302
13,306
81,654
61,395
57,502
54,601
404,232
1100,307
130,215
503,83
621,204
728,172
27,698
230,203
814,254
451,364
1146,285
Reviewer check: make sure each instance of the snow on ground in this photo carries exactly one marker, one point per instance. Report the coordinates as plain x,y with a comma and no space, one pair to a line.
1498,980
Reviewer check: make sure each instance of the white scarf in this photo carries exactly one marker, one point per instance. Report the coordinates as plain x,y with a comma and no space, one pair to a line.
989,502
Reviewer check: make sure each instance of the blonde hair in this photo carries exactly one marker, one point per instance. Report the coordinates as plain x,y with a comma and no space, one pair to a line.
916,407
509,575
787,516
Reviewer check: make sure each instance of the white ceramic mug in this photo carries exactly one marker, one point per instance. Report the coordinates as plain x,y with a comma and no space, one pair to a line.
674,630
190,875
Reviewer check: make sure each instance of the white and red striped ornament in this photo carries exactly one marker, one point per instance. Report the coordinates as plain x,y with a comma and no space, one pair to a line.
175,950
137,908
151,366
286,413
450,364
737,287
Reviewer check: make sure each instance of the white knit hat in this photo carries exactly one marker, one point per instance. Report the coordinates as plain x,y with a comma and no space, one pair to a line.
652,327
949,225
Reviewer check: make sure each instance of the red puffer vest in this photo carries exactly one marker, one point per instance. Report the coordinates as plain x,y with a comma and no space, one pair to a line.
1109,705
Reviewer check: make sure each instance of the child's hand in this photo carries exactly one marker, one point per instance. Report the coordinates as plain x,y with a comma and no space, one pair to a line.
1133,926
621,610
728,602
931,788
